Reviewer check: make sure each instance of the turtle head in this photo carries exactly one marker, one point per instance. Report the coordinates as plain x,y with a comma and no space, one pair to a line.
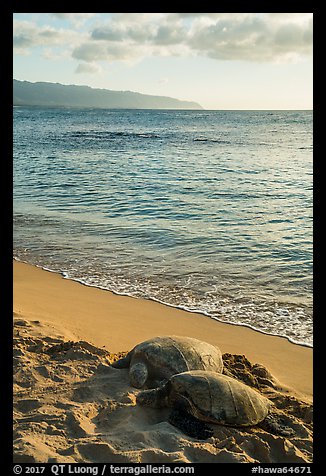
138,374
155,398
147,398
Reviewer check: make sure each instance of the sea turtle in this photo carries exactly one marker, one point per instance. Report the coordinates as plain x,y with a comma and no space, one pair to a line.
156,360
199,396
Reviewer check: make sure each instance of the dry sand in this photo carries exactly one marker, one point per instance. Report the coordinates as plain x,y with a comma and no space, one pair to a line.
70,405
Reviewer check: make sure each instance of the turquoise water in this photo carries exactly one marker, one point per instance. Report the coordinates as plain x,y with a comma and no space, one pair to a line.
206,210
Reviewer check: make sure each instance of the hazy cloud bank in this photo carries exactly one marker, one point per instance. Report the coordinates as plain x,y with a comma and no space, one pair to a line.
263,37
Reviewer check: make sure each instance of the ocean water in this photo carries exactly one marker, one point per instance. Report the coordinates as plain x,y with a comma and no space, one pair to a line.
210,211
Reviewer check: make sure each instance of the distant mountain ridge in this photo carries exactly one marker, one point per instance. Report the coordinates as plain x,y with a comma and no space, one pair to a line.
26,93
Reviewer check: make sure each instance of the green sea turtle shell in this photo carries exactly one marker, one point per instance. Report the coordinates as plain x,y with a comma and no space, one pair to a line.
216,398
165,356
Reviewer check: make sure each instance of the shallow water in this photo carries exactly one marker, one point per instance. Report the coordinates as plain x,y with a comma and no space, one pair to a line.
206,210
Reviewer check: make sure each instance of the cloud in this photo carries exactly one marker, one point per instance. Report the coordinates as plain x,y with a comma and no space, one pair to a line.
88,68
77,19
69,16
133,33
170,35
227,36
28,34
252,38
99,51
90,52
122,32
259,37
108,33
55,54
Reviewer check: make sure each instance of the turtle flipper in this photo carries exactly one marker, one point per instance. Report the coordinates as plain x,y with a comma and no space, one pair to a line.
123,363
190,425
274,423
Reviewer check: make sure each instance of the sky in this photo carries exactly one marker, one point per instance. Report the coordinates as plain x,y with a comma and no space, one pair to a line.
220,60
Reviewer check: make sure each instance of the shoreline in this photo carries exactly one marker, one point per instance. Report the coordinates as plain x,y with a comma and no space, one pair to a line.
64,275
118,322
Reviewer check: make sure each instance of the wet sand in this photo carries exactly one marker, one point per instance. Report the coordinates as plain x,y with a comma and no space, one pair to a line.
71,405
118,323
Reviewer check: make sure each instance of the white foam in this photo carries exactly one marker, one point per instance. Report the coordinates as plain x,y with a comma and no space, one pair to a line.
187,308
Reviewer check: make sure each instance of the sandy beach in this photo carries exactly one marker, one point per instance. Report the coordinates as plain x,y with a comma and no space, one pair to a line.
70,405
